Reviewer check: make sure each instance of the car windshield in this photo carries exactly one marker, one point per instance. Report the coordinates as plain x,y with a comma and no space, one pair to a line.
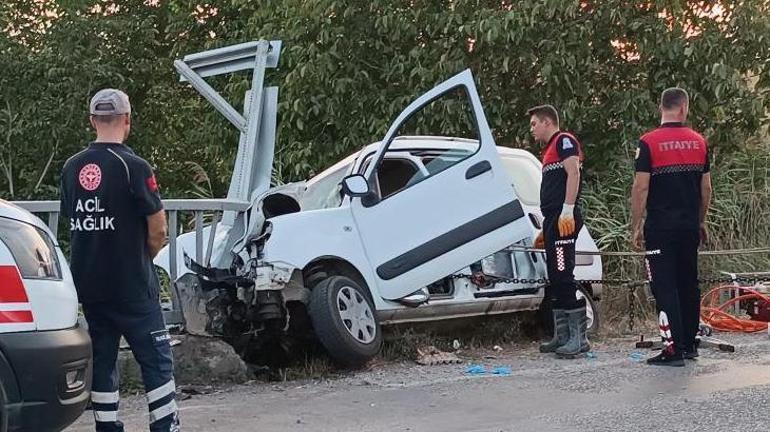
325,192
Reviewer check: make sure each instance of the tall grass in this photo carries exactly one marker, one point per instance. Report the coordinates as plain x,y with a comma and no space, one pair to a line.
739,217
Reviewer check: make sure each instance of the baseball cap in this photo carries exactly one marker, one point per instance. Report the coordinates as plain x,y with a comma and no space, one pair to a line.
110,102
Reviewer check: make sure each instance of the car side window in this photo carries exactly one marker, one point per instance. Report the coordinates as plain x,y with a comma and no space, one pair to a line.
411,156
394,175
396,172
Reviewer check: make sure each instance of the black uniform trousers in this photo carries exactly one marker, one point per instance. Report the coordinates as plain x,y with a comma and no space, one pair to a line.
142,325
672,269
560,261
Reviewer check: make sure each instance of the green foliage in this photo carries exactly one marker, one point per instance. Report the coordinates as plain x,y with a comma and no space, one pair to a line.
348,68
736,220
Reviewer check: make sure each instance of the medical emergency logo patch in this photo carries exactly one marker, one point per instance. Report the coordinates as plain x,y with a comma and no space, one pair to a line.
90,177
152,184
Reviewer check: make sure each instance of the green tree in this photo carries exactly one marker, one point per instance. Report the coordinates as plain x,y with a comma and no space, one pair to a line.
349,67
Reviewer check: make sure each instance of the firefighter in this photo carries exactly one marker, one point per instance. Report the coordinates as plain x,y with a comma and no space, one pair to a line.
673,184
559,193
117,225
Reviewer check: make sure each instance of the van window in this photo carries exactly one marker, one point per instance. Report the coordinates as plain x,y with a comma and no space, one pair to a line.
525,178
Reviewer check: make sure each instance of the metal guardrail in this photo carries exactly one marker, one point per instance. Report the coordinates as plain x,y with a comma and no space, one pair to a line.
49,210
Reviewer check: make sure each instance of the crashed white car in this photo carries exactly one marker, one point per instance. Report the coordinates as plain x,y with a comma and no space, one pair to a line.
388,235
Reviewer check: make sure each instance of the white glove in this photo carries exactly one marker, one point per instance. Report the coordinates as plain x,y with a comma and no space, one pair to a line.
567,220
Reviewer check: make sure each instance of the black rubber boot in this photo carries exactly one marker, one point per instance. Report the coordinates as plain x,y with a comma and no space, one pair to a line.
560,332
578,339
691,354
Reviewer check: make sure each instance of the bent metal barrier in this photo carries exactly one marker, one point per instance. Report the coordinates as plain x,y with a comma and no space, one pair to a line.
253,162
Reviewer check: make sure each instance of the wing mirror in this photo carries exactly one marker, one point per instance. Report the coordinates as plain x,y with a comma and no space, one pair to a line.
355,186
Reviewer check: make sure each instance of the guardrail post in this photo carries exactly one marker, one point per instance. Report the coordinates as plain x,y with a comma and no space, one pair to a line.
198,236
212,233
172,234
53,223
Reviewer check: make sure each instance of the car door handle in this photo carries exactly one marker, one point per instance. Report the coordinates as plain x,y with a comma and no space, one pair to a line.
478,169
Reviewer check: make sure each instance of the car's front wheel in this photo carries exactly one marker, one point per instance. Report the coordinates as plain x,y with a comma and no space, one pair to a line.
344,321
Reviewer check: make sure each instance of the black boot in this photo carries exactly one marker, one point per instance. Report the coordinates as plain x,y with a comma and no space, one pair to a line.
667,358
691,354
578,329
560,332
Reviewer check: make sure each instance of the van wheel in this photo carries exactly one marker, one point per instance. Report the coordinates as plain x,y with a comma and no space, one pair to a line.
344,321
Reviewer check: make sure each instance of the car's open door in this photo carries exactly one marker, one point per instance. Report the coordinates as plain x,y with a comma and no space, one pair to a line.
464,210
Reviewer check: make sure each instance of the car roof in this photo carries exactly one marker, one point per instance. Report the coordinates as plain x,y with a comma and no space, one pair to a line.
427,142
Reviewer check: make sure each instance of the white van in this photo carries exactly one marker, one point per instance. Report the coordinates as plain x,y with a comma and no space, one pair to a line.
45,352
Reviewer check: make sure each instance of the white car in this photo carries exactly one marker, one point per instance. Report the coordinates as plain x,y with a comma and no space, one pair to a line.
388,235
45,353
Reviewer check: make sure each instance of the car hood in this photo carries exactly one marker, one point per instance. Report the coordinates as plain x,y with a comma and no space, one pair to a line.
230,239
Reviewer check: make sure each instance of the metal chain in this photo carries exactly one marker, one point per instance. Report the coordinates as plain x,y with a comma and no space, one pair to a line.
631,310
747,251
631,283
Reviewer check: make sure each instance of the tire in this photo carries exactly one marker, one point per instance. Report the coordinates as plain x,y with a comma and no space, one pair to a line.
592,310
3,409
545,316
316,274
351,340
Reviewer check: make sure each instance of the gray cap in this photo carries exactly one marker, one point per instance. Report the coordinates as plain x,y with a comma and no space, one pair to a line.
110,102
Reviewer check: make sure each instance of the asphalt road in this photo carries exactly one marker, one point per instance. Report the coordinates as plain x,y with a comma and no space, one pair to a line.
610,392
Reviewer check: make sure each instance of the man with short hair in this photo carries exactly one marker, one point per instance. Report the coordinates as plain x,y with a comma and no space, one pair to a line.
673,184
559,193
117,226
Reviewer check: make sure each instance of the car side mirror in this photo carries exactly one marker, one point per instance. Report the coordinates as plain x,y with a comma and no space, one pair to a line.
355,186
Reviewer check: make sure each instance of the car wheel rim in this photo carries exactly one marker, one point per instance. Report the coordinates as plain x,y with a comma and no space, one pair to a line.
589,308
356,315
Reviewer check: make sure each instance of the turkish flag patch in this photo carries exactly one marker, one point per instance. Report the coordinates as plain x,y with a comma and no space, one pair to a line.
152,184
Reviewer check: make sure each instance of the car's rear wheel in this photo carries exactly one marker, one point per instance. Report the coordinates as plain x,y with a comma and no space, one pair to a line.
592,312
344,321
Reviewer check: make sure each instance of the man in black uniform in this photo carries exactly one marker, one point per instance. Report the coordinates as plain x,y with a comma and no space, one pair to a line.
673,184
117,225
559,192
